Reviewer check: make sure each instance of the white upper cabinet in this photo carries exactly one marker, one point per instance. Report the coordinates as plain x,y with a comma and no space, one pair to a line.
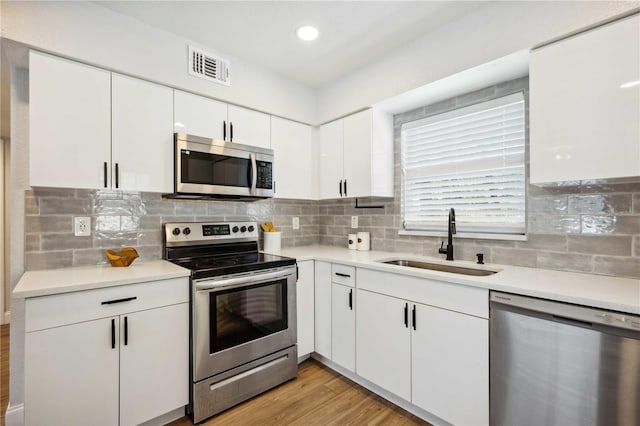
249,127
142,140
199,116
208,118
69,123
295,173
585,105
356,156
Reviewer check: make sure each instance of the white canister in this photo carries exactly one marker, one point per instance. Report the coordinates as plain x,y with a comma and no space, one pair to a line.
272,241
364,241
352,242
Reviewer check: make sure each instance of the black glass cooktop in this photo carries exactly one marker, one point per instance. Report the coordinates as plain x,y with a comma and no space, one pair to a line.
212,266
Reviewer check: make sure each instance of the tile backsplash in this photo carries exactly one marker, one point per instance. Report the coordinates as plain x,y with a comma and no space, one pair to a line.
135,219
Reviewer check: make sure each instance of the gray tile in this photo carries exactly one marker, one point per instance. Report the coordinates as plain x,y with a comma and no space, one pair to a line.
636,202
617,266
191,208
38,224
48,260
544,242
161,208
512,86
115,241
54,192
219,208
554,204
64,242
89,257
636,246
547,224
600,203
468,252
31,205
565,261
65,206
32,243
600,244
150,238
440,107
149,252
610,225
516,257
476,97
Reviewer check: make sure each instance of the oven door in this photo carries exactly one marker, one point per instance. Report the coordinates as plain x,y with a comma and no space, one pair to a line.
216,168
240,318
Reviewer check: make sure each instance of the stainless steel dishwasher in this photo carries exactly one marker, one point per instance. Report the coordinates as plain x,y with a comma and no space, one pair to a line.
554,363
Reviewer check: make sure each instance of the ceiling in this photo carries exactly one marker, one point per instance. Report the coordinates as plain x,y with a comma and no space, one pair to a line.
352,33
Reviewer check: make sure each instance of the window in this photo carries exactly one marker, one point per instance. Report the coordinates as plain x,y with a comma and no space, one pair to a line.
470,159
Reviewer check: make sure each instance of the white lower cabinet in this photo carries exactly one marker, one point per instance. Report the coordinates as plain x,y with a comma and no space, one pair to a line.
322,294
127,366
305,307
343,326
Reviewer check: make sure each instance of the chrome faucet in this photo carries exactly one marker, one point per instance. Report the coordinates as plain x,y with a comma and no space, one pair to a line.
450,231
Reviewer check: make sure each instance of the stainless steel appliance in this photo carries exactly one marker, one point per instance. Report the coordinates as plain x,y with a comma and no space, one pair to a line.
206,168
553,363
243,313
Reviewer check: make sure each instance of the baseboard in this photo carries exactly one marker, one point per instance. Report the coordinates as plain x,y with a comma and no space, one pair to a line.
14,415
394,399
303,358
176,414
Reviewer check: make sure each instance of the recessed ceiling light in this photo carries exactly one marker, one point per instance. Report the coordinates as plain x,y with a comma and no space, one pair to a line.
307,33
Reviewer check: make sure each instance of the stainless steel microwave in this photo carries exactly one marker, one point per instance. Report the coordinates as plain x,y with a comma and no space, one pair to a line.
207,168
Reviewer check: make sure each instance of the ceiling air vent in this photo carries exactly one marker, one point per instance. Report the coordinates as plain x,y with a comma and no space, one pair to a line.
205,65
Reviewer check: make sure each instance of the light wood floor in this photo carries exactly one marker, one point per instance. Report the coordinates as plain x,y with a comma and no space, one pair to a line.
318,396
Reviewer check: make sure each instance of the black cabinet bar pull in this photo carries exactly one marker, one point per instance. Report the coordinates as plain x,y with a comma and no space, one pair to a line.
343,275
351,299
340,187
113,334
117,174
345,187
230,132
224,130
106,168
126,331
413,316
406,315
111,302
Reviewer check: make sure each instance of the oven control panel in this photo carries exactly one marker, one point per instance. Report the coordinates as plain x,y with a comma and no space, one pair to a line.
177,233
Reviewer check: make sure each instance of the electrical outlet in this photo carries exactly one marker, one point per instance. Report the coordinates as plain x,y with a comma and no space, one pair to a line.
82,226
296,223
354,221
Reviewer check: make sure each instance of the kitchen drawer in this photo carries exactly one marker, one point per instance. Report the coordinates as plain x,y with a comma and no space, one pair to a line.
454,297
345,275
69,308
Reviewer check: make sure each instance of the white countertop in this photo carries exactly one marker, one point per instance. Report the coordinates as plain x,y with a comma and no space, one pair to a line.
65,280
600,291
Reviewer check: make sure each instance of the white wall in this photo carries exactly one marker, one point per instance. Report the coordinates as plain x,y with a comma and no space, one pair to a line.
93,34
488,33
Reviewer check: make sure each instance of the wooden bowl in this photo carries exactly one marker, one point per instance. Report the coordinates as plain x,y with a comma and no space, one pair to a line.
124,257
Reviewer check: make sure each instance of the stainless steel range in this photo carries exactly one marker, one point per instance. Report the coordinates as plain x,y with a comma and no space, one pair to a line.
243,313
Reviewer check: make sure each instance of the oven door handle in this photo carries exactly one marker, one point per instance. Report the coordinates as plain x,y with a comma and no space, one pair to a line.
229,283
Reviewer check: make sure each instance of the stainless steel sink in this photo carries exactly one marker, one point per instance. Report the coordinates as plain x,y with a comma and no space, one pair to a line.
440,267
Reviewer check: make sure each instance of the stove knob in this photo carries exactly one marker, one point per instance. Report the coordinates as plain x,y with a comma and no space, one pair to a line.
251,228
235,229
186,231
243,229
176,231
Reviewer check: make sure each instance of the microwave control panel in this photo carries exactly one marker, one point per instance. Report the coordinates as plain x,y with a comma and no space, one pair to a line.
265,175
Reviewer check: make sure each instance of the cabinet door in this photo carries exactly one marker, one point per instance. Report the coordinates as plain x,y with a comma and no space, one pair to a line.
357,154
343,326
450,365
383,342
330,160
294,169
69,123
583,117
305,307
142,140
249,127
322,291
199,116
71,374
154,362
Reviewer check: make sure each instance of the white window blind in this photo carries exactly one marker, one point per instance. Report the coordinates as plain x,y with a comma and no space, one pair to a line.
471,159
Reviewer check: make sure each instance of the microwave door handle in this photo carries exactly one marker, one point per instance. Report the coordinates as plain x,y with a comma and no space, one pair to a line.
253,176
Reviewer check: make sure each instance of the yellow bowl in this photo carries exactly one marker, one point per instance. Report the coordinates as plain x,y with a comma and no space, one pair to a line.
124,257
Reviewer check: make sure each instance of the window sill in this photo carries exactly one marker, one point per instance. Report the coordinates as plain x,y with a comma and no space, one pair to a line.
506,237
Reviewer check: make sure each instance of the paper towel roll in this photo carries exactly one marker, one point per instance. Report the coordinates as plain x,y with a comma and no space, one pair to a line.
364,241
352,242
